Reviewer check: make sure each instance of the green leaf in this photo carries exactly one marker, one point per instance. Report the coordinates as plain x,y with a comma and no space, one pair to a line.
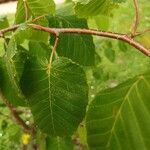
90,8
110,54
79,48
41,7
39,35
11,70
35,8
3,22
119,1
65,9
20,15
122,46
1,62
119,118
25,33
57,94
39,50
98,73
102,22
2,48
59,143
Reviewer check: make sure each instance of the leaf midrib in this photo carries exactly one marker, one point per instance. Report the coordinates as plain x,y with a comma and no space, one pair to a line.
50,99
120,109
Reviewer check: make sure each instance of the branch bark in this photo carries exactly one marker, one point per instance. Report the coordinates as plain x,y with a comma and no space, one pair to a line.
56,31
15,115
118,36
9,29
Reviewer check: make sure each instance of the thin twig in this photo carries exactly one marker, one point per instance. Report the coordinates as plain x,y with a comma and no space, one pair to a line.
142,32
15,115
137,18
38,18
26,10
9,29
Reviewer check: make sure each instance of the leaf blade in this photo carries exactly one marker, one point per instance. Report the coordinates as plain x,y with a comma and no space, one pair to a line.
114,118
62,108
79,48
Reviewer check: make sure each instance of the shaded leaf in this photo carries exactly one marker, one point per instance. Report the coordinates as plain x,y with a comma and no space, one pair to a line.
41,7
25,33
20,15
79,48
2,48
57,95
3,22
110,54
65,9
122,46
90,8
12,65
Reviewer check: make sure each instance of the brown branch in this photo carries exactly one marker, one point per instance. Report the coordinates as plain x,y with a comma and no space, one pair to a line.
113,35
9,29
137,18
45,29
118,36
15,115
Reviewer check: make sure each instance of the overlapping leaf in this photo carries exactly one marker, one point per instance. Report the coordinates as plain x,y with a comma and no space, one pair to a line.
3,22
57,94
12,65
90,8
79,48
119,118
35,8
41,7
20,15
25,33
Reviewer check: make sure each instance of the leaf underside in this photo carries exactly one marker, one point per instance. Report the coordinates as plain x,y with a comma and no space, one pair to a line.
119,118
90,8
